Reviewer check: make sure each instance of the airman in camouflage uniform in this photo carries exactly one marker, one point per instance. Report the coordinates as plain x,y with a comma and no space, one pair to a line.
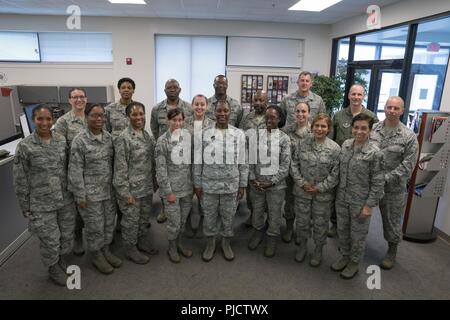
303,94
314,164
361,184
176,179
69,125
268,181
220,180
40,183
296,134
220,88
134,174
90,181
400,150
158,120
255,120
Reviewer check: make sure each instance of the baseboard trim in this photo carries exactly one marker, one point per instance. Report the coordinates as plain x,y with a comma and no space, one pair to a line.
14,246
441,234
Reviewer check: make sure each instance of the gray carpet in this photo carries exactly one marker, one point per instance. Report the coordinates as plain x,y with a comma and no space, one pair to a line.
421,273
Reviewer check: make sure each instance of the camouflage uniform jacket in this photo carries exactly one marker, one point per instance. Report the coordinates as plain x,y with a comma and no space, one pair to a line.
69,125
90,167
342,124
220,177
361,174
172,177
295,136
289,103
317,164
134,164
279,169
236,113
116,118
251,121
189,123
400,152
158,121
40,173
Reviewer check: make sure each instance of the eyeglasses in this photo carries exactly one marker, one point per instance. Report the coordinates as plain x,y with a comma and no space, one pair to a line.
96,115
78,98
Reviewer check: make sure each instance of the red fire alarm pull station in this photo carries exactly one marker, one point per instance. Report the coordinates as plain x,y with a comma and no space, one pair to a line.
129,61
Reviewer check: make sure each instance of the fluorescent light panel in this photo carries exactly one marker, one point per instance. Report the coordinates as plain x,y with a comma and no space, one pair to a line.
127,1
313,5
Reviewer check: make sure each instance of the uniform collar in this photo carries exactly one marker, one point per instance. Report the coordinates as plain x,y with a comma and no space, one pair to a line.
165,105
38,140
214,99
92,137
398,130
309,97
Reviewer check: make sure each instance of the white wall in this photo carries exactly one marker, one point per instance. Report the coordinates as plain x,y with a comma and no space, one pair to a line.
403,11
134,37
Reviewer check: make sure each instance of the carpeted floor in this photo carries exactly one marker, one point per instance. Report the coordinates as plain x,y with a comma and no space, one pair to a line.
421,272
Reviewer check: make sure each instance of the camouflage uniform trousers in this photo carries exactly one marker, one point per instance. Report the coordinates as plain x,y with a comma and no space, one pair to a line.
391,208
312,215
351,229
135,218
177,214
99,221
219,210
289,210
273,201
55,230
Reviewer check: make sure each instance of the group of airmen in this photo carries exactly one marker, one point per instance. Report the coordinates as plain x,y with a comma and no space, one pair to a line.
97,168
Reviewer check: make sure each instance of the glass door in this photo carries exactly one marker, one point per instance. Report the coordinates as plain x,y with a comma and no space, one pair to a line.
387,85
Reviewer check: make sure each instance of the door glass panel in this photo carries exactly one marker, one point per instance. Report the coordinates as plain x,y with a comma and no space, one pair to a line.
362,77
389,86
423,92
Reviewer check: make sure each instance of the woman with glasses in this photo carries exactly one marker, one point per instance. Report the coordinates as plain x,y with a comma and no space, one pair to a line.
90,180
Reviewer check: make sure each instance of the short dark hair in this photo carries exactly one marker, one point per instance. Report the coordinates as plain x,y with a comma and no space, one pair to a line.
222,101
39,107
305,103
131,105
119,83
200,96
364,117
280,114
172,113
76,88
89,108
306,73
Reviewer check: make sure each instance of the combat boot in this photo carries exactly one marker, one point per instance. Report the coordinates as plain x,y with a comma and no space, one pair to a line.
228,253
185,252
301,250
188,229
99,261
316,257
255,239
271,246
332,231
199,232
389,260
78,249
287,234
350,270
248,222
112,259
57,275
162,217
210,249
144,245
340,264
172,251
135,255
63,262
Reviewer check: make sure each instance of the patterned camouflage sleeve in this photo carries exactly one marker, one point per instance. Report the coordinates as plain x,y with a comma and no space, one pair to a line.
242,122
153,160
154,123
76,168
283,106
294,170
405,168
162,176
284,161
20,176
376,180
322,107
332,179
61,127
239,116
242,161
120,180
108,120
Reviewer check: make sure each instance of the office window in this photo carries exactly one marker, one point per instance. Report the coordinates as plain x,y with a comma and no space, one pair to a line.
76,47
19,46
193,61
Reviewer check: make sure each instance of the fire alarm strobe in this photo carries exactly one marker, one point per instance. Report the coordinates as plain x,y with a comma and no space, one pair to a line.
129,61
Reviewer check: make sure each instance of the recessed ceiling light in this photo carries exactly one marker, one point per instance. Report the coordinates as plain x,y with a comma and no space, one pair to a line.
127,1
313,5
